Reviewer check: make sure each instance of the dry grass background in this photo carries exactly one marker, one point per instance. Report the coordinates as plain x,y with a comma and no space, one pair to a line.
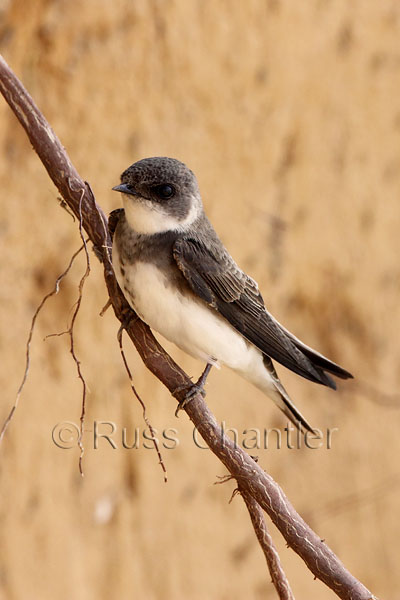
289,115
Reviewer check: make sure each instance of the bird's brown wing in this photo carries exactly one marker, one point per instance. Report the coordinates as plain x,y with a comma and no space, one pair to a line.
113,219
223,285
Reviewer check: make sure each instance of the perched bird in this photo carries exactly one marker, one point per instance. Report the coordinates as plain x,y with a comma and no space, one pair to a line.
179,278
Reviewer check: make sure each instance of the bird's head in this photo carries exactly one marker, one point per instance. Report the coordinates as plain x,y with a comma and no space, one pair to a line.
160,194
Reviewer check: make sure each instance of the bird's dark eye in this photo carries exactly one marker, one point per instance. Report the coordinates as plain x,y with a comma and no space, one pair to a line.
164,191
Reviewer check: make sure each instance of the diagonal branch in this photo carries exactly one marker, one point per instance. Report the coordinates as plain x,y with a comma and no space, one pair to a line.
251,478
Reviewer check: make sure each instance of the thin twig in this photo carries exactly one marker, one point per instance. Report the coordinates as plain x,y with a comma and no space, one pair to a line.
71,336
142,404
276,571
70,333
65,206
105,308
53,292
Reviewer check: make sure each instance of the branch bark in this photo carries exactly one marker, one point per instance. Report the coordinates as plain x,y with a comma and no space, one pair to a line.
278,576
252,480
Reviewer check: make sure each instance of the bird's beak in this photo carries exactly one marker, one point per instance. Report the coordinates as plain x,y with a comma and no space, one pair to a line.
122,187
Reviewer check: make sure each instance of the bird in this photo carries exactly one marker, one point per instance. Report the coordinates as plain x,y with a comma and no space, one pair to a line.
179,278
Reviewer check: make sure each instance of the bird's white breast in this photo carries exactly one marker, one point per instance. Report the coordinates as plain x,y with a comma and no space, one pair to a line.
189,323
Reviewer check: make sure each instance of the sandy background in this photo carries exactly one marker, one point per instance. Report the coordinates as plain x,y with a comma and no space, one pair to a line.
289,115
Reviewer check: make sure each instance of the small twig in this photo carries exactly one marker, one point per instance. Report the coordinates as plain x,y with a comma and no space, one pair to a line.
142,404
278,576
70,333
71,336
223,479
105,308
276,571
53,292
65,206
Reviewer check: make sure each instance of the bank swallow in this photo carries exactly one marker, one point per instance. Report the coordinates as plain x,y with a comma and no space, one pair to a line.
179,278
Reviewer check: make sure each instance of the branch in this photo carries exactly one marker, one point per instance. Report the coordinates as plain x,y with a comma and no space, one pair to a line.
251,478
270,552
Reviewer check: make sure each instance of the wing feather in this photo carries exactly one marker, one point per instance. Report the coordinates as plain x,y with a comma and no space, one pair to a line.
223,285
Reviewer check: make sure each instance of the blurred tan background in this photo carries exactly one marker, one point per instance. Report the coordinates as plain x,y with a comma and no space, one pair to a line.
289,115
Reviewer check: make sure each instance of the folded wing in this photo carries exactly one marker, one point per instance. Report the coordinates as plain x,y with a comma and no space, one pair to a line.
223,285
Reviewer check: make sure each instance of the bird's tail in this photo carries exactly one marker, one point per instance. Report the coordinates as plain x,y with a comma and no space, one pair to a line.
279,395
282,399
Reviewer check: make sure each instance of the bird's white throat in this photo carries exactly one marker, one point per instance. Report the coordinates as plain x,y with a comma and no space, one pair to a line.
149,218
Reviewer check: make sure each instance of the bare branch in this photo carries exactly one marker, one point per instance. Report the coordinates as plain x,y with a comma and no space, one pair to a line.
251,478
319,558
270,552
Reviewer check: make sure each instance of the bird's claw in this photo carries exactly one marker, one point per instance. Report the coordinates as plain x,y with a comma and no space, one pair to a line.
192,389
190,393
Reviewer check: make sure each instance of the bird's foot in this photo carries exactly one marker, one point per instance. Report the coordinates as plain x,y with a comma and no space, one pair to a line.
193,389
129,317
190,393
